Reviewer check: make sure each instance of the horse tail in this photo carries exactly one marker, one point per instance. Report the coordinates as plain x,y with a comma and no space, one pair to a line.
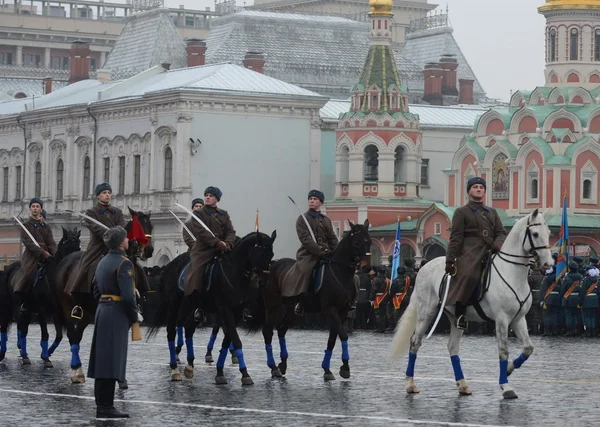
404,331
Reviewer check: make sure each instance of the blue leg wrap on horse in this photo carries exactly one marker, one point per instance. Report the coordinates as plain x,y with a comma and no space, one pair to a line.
410,369
189,345
231,347
3,341
23,346
44,345
270,358
222,358
458,373
211,342
327,359
75,360
504,372
18,337
520,360
345,352
179,336
239,353
172,353
283,353
53,347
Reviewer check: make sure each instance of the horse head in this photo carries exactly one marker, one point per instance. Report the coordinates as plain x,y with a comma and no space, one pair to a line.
143,250
70,241
255,252
359,241
536,239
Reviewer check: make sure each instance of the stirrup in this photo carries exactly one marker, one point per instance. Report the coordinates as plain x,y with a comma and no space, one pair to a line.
299,310
459,324
77,312
198,316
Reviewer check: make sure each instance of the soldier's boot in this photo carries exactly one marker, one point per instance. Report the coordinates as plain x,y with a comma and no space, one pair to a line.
461,318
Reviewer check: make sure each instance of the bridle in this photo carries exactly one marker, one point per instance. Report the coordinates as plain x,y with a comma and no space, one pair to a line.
532,254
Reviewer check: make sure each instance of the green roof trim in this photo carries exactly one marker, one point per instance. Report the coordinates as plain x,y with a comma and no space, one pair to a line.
404,226
379,70
573,147
558,160
544,90
544,147
512,150
473,145
440,240
560,133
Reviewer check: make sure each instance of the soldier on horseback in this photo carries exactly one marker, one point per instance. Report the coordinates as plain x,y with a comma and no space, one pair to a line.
34,254
208,245
476,231
104,212
318,243
197,204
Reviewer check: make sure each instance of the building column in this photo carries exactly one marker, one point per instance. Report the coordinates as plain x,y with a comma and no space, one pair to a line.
386,175
153,156
102,60
47,57
315,152
413,170
181,158
19,58
356,175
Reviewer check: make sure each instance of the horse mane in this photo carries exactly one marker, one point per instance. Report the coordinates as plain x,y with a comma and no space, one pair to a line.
249,239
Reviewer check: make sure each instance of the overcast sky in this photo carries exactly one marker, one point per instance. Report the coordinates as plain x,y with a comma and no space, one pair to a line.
503,40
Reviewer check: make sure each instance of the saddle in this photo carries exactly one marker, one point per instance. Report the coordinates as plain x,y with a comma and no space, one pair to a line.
207,278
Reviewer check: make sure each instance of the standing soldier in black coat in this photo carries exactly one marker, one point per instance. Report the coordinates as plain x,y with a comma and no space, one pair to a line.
117,311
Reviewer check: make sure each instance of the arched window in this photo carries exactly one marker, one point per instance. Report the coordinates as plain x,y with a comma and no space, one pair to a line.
371,163
59,179
597,45
37,191
534,188
86,177
406,252
168,181
399,168
552,45
375,255
344,160
587,189
574,45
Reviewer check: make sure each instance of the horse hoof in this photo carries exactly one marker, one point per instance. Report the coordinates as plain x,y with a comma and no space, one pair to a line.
511,368
123,385
209,359
508,392
175,375
188,371
282,367
48,363
77,379
276,373
329,377
220,380
234,360
247,381
2,355
412,389
26,361
344,372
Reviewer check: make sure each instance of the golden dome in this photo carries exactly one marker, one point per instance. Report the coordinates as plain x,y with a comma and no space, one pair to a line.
570,4
381,7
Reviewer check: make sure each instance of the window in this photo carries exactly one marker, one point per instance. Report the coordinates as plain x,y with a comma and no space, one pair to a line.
597,45
86,177
399,170
65,63
92,64
374,103
534,188
425,172
553,46
5,184
32,60
587,189
371,163
437,227
37,191
59,179
573,53
55,63
137,161
121,175
168,181
189,21
18,185
6,58
106,169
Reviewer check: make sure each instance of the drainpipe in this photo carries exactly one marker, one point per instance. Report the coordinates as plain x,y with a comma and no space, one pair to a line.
89,110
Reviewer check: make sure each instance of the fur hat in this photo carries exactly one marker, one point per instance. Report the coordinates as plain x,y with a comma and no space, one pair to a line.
196,201
476,180
214,191
593,260
36,200
573,266
113,237
318,194
101,187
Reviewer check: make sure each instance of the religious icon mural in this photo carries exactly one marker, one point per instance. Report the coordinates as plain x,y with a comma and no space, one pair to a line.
500,178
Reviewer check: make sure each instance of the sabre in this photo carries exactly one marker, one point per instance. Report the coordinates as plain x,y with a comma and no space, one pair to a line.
183,225
439,316
27,231
196,218
305,220
89,218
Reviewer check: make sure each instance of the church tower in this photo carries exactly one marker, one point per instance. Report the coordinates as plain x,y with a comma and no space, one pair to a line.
572,43
378,148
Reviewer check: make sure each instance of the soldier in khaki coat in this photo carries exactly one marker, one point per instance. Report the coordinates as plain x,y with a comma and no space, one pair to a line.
297,280
197,204
476,231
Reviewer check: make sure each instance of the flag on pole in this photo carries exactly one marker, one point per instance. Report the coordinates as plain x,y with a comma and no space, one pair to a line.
396,254
563,243
256,222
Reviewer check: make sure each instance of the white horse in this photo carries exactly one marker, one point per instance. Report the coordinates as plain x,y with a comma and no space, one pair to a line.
506,302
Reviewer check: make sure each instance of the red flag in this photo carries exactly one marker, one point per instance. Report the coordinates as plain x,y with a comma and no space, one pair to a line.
137,232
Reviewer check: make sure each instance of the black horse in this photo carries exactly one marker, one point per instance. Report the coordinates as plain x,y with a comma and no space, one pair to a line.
336,296
41,299
76,324
232,286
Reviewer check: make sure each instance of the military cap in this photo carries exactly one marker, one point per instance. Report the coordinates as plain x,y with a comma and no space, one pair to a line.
214,191
102,187
113,237
318,194
196,201
476,180
36,200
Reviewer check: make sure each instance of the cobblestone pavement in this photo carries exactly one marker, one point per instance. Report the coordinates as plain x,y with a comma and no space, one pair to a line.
559,385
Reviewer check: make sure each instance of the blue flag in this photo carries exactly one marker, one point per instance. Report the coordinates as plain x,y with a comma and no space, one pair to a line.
563,244
396,254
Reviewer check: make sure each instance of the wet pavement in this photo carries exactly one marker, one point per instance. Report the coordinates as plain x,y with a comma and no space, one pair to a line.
559,385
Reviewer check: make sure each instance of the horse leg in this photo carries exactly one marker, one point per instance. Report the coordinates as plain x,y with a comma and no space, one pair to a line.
326,364
453,349
58,327
220,377
181,308
283,351
234,358
45,337
23,324
76,335
190,328
343,334
231,332
4,322
171,331
423,321
502,338
520,328
208,358
267,332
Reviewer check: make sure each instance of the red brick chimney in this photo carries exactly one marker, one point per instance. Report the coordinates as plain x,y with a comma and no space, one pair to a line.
433,74
254,61
449,64
79,63
196,50
47,85
465,95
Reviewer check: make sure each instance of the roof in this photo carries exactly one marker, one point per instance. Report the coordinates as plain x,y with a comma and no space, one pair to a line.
404,226
30,87
429,45
149,38
380,70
